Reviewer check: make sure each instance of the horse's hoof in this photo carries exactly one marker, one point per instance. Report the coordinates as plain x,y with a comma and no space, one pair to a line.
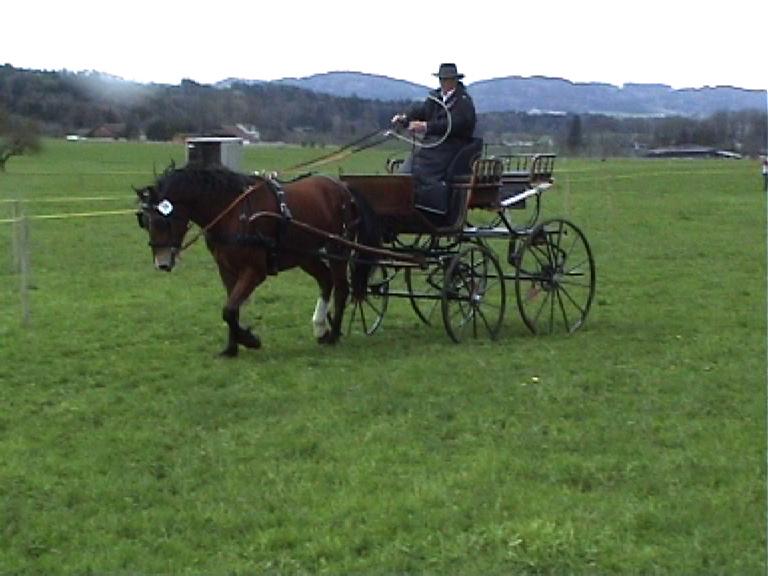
229,352
328,338
249,340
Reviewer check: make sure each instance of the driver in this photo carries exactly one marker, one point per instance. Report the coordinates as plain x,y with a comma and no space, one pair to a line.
429,118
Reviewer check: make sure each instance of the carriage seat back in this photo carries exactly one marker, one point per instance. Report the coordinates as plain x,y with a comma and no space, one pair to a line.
461,165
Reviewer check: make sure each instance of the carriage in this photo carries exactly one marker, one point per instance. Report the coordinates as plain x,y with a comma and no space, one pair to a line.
447,266
467,268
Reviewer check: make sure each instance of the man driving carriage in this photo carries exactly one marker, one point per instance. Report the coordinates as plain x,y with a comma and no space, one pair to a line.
444,136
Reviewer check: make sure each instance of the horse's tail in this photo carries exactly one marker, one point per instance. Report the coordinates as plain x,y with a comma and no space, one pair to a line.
368,233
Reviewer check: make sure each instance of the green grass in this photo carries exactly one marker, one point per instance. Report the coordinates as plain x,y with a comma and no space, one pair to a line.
637,445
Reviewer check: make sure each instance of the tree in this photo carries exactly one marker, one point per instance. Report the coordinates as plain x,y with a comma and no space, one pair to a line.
575,138
17,137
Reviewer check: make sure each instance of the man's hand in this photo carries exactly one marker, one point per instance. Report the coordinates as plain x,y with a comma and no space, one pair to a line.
400,120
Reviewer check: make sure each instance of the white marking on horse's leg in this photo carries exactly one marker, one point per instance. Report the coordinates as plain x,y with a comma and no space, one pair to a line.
320,318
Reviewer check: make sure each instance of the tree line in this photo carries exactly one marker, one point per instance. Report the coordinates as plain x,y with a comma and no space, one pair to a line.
59,103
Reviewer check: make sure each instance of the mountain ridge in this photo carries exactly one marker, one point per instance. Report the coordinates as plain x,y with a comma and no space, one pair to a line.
541,94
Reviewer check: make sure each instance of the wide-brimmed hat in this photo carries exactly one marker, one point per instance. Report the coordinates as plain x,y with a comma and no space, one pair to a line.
448,70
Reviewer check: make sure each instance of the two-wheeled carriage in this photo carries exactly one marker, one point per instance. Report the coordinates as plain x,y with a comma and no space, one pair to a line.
548,262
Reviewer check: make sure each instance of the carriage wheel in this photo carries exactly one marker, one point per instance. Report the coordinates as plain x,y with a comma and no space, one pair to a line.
425,289
367,315
555,278
474,294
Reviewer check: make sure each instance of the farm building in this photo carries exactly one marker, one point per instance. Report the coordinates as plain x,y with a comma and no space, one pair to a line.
108,131
248,134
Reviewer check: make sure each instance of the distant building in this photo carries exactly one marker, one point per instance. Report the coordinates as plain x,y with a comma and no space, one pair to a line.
248,134
108,131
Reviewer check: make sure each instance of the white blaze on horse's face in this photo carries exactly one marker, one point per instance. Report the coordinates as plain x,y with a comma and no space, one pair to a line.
320,318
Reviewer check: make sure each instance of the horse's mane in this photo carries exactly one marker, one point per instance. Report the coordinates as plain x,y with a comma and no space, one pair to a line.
191,180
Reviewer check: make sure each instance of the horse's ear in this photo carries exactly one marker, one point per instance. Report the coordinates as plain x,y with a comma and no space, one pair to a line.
170,169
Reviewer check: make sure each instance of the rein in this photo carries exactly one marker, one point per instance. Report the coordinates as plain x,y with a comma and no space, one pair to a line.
347,150
218,218
367,141
413,141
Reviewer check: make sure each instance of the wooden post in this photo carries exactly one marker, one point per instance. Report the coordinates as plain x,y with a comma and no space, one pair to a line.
15,215
24,269
20,257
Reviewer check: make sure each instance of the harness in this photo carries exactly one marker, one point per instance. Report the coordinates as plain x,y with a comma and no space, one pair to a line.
273,245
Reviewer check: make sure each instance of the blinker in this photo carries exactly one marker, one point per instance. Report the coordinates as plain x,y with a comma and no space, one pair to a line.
165,207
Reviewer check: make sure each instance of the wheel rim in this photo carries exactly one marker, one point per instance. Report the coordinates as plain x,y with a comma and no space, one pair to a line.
425,288
367,314
555,278
474,295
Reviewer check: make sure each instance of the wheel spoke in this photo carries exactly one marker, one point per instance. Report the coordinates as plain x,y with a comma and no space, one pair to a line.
473,298
368,313
581,310
562,310
379,311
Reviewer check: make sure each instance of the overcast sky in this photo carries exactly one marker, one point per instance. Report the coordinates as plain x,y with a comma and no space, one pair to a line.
682,43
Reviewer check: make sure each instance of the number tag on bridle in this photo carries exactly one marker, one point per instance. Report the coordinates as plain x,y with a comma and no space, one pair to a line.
165,208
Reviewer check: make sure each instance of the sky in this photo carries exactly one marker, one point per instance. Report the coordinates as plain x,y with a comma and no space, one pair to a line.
681,43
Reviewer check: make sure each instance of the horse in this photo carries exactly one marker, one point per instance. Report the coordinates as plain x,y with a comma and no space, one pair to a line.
256,227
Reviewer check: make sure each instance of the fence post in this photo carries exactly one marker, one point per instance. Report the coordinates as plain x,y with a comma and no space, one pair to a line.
15,215
24,270
20,257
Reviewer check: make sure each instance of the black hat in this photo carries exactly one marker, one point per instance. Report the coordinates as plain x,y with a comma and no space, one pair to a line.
448,70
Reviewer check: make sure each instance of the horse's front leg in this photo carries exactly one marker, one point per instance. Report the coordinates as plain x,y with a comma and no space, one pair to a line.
242,288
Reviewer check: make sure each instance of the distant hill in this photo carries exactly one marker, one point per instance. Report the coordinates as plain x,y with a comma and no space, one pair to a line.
368,86
345,84
542,94
555,94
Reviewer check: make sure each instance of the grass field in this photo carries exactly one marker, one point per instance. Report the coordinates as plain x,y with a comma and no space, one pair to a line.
637,445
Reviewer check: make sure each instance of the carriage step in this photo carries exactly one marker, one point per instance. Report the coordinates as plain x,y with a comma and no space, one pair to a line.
482,232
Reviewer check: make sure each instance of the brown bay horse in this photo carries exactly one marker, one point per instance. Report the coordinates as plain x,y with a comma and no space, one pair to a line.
255,227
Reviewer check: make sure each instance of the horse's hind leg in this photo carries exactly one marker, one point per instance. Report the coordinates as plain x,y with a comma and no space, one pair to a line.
340,295
240,290
322,274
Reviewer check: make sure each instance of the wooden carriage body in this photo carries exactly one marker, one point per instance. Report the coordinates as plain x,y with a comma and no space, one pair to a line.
492,183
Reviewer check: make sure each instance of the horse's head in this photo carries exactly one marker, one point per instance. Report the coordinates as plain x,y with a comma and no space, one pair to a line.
166,224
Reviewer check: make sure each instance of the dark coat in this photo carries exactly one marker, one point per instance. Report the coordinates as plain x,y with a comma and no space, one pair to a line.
462,116
429,165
